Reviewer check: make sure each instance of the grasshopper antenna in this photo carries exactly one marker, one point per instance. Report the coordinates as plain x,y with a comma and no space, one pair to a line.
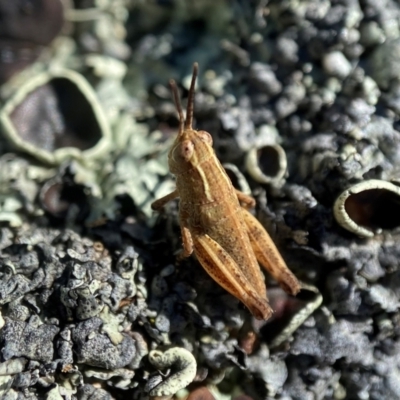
178,105
190,102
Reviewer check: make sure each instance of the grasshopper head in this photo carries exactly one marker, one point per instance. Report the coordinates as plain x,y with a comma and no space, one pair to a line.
190,146
189,149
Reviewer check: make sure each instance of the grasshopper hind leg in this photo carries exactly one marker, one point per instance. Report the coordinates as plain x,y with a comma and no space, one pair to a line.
268,255
224,270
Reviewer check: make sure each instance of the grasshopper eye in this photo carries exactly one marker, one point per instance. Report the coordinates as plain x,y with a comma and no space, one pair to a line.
187,149
205,137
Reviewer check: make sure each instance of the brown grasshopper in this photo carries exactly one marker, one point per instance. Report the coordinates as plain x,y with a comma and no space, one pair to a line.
215,224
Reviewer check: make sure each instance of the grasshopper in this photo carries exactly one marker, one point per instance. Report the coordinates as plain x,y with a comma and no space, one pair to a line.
214,218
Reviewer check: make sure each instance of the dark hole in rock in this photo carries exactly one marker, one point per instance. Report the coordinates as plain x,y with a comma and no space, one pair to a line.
57,198
57,115
25,28
109,233
268,160
374,208
285,308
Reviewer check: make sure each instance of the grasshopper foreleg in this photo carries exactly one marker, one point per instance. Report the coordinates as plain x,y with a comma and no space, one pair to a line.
245,200
187,240
161,202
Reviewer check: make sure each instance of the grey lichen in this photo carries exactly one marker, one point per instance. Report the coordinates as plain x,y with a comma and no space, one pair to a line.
97,349
183,370
32,339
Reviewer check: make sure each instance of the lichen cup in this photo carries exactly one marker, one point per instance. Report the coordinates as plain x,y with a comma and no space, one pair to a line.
267,164
368,207
56,116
